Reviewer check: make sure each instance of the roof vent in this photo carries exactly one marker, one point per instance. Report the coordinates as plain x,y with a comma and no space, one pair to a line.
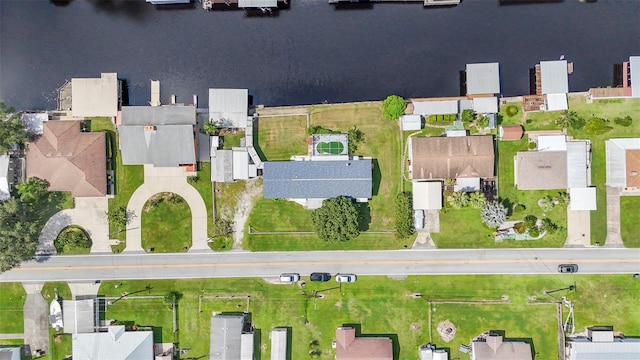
150,128
634,173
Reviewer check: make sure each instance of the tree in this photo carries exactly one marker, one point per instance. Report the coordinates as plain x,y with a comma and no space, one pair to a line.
483,121
172,297
336,220
458,199
511,110
403,211
209,128
354,137
477,200
597,126
32,189
625,121
570,119
11,129
393,106
119,216
494,214
549,226
19,231
467,116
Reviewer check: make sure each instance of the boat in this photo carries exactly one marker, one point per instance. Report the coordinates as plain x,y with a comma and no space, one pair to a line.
55,313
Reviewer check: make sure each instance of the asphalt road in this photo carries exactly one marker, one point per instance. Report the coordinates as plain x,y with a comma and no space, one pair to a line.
268,264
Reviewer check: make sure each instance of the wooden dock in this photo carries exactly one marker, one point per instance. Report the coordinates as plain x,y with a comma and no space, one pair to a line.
424,2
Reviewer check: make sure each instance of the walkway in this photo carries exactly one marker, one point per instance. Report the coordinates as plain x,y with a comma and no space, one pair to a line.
174,180
613,218
36,316
578,228
90,214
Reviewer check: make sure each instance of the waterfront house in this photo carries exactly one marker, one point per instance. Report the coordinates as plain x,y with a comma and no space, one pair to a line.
231,338
602,343
115,343
350,347
494,347
468,159
162,136
623,163
552,83
69,159
310,182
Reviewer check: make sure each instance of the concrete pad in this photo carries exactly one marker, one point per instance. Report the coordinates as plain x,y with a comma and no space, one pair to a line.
578,228
36,318
432,221
84,289
423,241
614,239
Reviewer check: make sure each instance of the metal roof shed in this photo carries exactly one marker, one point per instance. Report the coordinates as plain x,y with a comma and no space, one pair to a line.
240,163
229,107
552,143
577,164
582,198
483,78
485,105
437,107
78,316
95,96
554,77
557,102
279,344
225,337
222,166
411,122
427,195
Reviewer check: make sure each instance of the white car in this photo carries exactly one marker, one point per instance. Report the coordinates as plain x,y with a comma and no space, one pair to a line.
346,278
289,278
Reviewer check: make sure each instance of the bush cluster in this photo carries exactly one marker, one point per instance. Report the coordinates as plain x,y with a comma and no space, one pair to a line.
72,237
511,110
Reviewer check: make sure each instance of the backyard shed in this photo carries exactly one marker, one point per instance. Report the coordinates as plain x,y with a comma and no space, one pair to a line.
279,344
411,122
510,132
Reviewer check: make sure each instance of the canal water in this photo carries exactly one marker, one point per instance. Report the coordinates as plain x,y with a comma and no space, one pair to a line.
309,53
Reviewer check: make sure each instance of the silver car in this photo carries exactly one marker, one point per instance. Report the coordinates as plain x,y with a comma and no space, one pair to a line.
289,278
346,278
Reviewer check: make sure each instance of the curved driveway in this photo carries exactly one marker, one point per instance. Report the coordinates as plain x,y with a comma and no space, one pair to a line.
88,213
174,180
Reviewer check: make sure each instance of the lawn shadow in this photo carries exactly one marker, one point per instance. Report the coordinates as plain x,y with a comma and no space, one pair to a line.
364,218
508,204
377,177
257,344
393,337
256,139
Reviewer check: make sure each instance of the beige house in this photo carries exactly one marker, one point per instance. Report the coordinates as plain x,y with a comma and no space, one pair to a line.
494,347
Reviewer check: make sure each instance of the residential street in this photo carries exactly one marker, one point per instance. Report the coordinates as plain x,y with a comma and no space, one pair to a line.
269,264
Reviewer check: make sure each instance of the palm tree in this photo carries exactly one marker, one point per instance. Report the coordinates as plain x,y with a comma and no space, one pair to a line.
477,200
458,199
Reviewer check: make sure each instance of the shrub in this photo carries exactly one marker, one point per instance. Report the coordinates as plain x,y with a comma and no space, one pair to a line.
458,199
534,232
337,220
403,211
532,145
529,121
625,121
317,129
494,214
73,237
549,226
530,221
393,106
511,110
597,126
546,204
519,208
193,179
519,228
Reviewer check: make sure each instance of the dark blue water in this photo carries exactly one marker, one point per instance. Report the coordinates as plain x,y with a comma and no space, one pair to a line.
309,53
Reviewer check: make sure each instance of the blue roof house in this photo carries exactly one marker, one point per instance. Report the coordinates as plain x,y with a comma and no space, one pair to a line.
310,182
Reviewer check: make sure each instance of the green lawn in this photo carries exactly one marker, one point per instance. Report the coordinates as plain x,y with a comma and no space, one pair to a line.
203,185
232,140
380,306
167,226
304,242
280,137
629,206
12,296
127,177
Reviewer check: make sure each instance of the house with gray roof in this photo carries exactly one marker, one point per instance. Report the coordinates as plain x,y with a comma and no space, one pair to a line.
483,79
602,343
11,353
115,343
159,135
79,316
231,338
310,182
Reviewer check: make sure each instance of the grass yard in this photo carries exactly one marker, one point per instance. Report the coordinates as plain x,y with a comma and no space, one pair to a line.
166,227
127,177
12,297
304,242
381,306
629,206
203,185
145,313
280,137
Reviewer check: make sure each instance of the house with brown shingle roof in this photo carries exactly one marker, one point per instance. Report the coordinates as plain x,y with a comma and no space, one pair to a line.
463,158
494,347
70,160
350,347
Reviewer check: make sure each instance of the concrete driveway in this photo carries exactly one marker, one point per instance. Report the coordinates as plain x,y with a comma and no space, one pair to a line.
36,318
174,180
90,214
578,228
614,239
